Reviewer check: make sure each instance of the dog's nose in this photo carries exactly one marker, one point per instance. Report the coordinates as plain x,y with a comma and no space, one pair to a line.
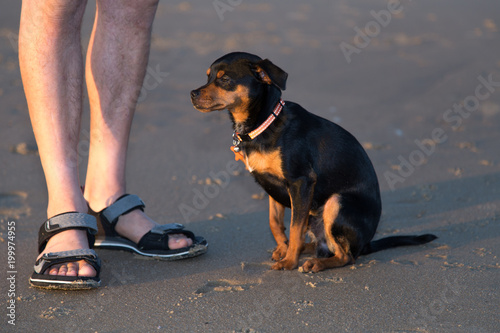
195,93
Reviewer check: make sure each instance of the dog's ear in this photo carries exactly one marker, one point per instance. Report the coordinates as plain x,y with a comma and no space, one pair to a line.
269,73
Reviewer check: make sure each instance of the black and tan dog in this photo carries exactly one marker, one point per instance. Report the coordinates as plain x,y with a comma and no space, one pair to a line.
302,161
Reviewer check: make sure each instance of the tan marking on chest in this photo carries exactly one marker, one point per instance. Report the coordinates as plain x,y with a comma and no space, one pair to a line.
265,162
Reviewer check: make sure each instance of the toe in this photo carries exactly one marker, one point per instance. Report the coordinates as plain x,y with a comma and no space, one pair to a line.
279,252
86,270
306,268
277,266
54,270
284,264
179,241
71,269
80,268
313,265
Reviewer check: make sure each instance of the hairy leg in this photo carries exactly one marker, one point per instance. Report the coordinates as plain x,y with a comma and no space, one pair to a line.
50,59
116,64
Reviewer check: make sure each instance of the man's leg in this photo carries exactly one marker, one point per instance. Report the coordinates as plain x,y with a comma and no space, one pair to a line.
117,58
51,64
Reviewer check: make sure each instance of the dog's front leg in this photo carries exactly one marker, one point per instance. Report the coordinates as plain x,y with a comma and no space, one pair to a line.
301,194
277,225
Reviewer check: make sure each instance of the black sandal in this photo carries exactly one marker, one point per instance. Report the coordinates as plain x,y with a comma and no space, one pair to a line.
154,244
55,225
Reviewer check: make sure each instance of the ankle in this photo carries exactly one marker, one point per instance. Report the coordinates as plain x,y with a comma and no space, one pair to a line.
56,207
97,200
105,180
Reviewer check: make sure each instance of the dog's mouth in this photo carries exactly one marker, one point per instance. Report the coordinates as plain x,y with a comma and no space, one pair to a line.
207,105
203,108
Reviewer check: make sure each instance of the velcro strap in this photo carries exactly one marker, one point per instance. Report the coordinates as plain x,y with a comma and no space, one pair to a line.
71,220
164,228
69,254
122,206
53,258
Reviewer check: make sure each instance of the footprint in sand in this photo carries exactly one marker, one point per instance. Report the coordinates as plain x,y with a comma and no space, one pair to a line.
24,148
226,286
54,312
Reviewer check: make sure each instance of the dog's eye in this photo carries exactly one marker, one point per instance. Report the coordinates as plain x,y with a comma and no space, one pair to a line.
225,79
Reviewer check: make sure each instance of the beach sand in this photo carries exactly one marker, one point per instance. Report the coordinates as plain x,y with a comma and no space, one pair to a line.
410,81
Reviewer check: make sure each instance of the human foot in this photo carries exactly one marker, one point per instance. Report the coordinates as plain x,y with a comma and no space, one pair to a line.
124,225
67,241
136,224
66,260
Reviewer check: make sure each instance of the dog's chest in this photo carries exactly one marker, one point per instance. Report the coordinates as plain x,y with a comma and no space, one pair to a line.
267,169
267,162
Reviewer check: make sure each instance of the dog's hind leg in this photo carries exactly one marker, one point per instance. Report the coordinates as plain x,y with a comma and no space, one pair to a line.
337,246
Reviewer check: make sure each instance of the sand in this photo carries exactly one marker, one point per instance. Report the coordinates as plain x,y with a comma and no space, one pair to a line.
409,80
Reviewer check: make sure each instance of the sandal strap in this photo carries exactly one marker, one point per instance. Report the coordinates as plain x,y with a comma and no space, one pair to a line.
166,228
66,221
70,220
54,258
126,203
157,238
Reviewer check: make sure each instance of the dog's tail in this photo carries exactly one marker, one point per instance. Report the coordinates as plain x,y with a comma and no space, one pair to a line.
395,241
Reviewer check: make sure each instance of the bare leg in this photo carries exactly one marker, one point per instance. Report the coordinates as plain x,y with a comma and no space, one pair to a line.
116,65
52,71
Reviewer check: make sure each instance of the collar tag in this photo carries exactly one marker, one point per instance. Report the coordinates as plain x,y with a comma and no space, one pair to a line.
236,142
238,155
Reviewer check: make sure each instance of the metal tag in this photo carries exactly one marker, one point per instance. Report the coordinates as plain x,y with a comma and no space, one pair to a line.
236,142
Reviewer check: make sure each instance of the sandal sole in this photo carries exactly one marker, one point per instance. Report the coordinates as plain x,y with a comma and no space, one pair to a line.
55,284
193,251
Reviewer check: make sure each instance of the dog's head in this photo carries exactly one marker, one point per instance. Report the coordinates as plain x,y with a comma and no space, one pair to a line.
235,80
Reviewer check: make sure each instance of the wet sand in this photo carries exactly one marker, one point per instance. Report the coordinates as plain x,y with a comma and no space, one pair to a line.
414,82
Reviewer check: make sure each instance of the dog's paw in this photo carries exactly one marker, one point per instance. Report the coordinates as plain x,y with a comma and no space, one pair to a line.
285,264
312,265
280,252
